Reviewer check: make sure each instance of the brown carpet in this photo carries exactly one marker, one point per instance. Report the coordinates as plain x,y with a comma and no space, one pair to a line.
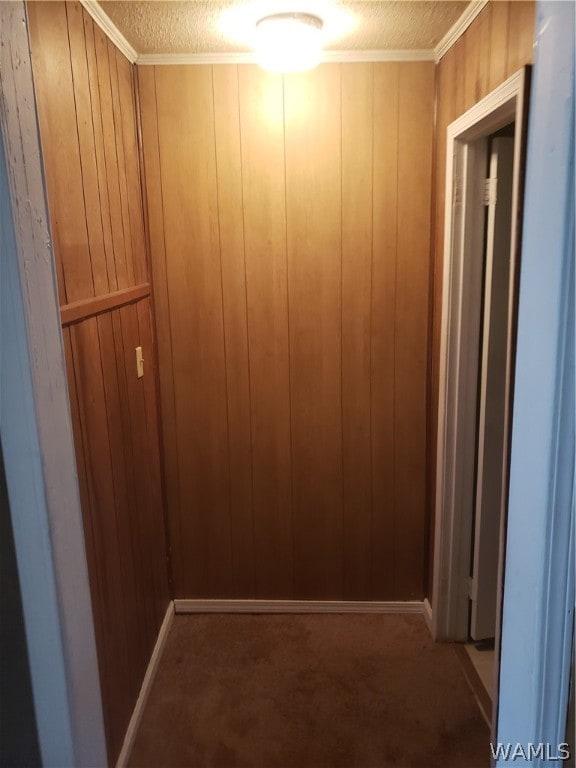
309,691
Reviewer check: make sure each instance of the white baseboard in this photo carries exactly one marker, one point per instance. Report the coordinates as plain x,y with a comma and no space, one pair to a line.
427,611
145,688
296,606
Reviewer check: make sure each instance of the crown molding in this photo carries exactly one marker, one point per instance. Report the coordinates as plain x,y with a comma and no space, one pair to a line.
113,33
152,59
458,29
390,55
110,29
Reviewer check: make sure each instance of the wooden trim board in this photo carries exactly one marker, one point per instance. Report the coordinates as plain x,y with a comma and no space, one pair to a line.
80,310
110,29
156,59
296,606
145,688
433,54
458,29
428,615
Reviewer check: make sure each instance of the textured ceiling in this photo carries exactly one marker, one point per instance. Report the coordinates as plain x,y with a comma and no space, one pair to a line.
200,26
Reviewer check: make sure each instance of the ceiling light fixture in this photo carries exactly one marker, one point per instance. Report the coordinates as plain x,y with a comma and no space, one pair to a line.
289,42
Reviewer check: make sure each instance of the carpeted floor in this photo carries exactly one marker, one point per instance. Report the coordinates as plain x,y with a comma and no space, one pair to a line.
309,691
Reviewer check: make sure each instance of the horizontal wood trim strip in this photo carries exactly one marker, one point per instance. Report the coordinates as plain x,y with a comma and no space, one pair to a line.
95,305
297,606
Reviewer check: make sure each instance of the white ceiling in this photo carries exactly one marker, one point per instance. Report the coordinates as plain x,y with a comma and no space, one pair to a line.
193,27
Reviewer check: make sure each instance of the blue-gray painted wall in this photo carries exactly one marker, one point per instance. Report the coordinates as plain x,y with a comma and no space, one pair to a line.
539,570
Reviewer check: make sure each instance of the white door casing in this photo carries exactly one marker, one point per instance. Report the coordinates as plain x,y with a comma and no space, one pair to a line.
461,310
490,488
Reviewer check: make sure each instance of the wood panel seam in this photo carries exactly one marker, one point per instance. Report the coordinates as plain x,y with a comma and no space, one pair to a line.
148,246
288,338
254,591
82,173
370,350
342,459
217,183
177,554
394,485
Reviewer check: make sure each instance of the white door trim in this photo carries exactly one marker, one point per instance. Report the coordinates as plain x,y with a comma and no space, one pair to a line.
461,301
36,432
539,587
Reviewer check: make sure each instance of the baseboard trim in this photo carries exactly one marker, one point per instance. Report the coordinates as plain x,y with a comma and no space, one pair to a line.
296,606
427,612
145,688
474,681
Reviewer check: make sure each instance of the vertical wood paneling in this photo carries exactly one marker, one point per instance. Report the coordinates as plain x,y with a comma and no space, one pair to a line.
103,199
499,30
110,158
143,487
120,489
87,147
118,136
132,172
90,545
113,415
148,406
357,195
275,206
484,26
521,35
264,207
383,309
234,302
86,104
188,170
130,509
90,388
497,44
155,207
416,89
472,69
460,75
313,215
57,117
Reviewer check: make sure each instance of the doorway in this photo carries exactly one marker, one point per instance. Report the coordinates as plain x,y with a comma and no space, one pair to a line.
492,357
481,256
488,508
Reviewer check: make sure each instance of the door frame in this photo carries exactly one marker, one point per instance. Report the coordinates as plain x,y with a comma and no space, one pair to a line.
495,289
36,434
460,332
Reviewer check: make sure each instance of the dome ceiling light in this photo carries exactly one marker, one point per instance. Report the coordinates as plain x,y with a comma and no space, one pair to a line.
289,42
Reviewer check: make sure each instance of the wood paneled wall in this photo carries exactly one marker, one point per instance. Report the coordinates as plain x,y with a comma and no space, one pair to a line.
87,111
290,237
496,45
